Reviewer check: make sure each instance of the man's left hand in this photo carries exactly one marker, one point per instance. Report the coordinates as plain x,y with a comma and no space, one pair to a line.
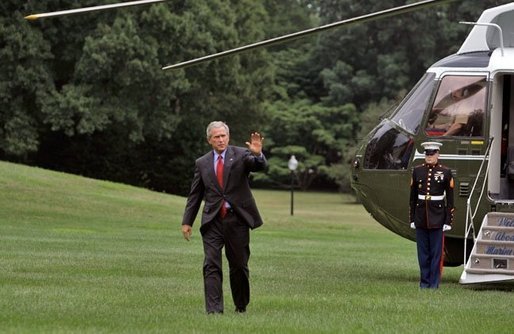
446,227
255,143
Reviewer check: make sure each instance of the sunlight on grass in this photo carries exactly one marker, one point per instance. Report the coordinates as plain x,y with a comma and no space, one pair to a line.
80,255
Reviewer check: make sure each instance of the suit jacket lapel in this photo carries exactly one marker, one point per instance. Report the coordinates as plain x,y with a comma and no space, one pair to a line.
209,165
229,159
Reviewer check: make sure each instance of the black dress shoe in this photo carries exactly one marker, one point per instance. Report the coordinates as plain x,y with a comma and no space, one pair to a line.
240,310
214,312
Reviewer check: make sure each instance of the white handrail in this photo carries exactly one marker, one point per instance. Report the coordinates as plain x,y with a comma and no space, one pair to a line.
469,215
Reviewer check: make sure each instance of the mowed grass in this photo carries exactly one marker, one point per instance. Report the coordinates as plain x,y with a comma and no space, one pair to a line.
86,256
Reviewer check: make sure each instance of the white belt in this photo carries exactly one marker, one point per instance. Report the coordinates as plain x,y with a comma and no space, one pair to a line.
431,197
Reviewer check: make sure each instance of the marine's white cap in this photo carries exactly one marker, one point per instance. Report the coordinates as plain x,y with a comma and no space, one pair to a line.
431,146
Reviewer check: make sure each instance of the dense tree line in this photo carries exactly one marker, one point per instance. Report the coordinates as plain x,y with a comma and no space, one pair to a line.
86,94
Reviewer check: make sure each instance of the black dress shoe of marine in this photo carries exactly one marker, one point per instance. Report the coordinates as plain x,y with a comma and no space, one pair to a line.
240,310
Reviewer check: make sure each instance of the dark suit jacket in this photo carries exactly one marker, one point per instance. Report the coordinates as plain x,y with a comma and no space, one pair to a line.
238,164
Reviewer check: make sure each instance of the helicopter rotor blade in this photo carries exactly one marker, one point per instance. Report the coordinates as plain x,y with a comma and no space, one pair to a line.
90,9
359,19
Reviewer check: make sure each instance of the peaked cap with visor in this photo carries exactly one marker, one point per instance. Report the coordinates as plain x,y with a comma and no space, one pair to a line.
431,147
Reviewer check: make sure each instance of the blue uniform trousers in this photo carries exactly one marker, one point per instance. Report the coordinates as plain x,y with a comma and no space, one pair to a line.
430,249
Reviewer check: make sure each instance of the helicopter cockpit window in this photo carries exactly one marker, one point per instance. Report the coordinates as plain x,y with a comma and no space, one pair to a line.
391,145
458,108
388,148
410,113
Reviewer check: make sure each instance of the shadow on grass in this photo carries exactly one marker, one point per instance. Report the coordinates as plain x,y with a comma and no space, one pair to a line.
500,286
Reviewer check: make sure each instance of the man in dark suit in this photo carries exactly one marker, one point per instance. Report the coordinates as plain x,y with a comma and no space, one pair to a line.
431,213
229,212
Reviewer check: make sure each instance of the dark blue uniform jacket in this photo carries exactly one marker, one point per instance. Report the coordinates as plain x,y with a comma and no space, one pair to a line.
431,196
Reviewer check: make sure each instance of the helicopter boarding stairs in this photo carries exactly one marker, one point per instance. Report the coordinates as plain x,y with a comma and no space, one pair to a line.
492,256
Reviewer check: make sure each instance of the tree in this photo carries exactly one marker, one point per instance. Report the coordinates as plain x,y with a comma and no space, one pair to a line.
86,93
25,83
104,108
316,135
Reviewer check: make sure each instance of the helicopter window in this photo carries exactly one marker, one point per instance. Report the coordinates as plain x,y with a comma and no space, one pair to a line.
458,108
410,113
388,148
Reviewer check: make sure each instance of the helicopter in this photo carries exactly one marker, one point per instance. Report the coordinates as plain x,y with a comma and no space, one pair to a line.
463,101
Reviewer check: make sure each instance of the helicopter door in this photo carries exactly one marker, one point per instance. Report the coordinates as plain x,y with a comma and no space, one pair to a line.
502,168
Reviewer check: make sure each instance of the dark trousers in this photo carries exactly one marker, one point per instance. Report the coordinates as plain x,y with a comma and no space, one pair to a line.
235,236
430,249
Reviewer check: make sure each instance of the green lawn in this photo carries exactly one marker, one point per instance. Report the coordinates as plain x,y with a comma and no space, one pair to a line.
87,256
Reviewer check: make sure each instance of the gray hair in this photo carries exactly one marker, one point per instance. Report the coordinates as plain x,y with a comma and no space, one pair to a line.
216,125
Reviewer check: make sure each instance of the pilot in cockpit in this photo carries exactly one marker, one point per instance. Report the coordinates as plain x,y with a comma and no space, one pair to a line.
459,114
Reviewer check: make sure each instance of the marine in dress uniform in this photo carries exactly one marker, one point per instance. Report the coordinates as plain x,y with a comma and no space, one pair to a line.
431,212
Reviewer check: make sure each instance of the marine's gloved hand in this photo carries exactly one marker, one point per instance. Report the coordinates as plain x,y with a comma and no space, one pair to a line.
413,226
446,227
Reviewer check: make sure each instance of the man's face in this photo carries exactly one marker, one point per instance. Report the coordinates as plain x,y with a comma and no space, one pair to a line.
219,139
457,94
431,158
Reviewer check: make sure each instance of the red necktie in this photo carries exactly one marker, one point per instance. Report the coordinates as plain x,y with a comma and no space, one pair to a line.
219,175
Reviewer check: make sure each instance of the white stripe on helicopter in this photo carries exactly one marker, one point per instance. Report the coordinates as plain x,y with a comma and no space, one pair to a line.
469,157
